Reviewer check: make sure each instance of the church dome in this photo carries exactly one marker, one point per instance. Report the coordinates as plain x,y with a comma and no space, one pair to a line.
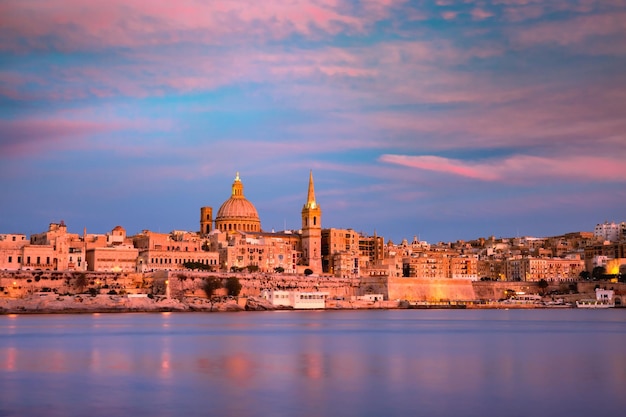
237,207
237,213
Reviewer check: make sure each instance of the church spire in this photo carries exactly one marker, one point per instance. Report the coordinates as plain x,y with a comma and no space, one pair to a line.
311,239
310,201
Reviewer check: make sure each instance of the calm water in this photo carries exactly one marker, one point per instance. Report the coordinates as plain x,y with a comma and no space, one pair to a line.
332,363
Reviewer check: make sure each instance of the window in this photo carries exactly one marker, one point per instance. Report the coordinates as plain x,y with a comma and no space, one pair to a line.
10,259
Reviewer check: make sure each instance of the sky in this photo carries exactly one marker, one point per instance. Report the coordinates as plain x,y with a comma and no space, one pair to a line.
445,120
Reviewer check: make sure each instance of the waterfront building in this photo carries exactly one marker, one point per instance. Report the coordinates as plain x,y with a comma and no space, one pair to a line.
11,251
548,269
118,258
491,269
170,251
296,299
67,252
464,267
53,250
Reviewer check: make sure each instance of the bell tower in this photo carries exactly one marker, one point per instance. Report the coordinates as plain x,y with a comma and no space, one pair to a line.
206,220
312,230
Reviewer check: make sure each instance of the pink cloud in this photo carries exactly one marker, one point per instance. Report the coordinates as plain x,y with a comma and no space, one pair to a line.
33,137
480,14
520,168
517,14
449,15
75,24
438,164
71,129
574,31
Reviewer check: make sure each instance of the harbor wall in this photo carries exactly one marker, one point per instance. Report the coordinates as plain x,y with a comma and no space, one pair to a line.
15,284
416,289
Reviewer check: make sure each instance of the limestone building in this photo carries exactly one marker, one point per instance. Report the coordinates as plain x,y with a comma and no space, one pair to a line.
170,251
340,252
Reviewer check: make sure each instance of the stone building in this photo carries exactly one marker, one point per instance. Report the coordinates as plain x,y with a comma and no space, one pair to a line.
11,251
339,246
170,251
548,269
599,254
263,251
119,258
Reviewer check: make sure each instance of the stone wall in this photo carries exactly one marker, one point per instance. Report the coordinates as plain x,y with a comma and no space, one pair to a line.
190,283
416,289
22,283
496,290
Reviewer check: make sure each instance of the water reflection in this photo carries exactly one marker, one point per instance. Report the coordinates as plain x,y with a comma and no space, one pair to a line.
303,364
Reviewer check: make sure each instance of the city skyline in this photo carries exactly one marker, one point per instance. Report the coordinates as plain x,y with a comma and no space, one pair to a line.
443,119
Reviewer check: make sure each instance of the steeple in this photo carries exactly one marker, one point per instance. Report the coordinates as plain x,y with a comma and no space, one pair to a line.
312,230
310,201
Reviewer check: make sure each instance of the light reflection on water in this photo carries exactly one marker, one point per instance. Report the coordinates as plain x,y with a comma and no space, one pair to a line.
349,363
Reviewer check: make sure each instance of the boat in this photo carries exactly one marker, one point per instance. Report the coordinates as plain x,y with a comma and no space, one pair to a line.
594,304
604,299
428,305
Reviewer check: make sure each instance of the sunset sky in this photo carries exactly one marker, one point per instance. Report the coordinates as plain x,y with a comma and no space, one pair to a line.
440,119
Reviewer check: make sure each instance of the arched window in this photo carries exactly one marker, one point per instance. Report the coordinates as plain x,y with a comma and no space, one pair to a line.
314,221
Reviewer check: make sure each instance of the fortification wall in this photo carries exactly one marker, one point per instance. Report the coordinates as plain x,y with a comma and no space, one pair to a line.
22,283
416,289
190,283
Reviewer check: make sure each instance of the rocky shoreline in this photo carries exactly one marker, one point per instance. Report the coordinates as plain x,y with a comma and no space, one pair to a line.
84,303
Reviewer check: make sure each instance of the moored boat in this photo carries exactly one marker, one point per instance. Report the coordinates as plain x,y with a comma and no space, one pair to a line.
604,299
594,304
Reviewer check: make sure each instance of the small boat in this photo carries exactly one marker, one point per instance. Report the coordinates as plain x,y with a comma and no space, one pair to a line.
604,299
594,304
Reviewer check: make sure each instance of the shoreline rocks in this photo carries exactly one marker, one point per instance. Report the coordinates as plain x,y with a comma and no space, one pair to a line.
79,304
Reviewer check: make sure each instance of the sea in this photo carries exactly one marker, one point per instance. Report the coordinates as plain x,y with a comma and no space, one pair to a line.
462,363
